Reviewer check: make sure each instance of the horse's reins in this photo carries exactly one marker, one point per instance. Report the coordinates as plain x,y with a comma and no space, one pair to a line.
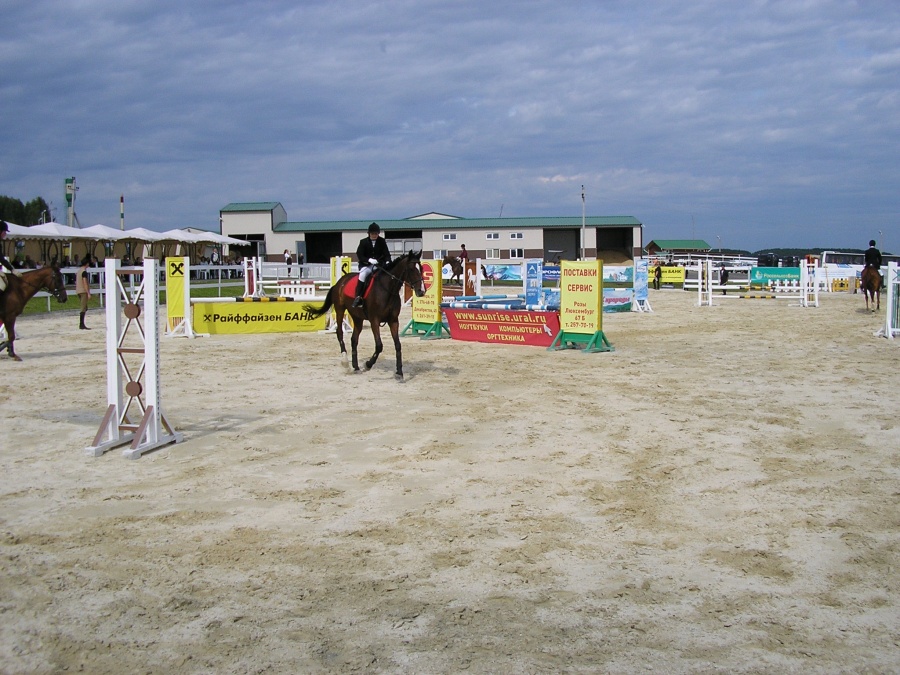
23,281
394,276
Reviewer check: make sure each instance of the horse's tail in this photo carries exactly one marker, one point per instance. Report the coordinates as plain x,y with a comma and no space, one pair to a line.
319,311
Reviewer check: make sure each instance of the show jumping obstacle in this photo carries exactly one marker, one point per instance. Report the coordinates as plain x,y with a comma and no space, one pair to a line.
805,290
137,385
891,328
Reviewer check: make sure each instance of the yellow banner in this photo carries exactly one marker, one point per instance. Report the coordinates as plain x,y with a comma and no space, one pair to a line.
176,268
219,318
427,309
581,296
339,267
672,275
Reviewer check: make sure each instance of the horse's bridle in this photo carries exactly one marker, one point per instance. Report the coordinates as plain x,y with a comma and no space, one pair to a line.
396,278
57,280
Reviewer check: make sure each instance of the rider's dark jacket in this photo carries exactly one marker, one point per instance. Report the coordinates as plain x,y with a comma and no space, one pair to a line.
873,257
377,249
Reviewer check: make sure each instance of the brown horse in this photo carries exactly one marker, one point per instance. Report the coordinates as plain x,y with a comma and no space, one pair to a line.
871,287
381,305
456,267
19,290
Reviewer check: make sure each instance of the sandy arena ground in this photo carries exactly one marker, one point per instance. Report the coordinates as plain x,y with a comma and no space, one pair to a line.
720,494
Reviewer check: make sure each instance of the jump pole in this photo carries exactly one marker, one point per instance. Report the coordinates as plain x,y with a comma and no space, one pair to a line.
122,388
891,327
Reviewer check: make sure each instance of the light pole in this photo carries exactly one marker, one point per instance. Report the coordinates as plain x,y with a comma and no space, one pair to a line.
582,222
719,239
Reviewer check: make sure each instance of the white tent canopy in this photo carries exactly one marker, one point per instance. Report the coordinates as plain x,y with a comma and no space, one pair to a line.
104,233
143,234
217,238
100,232
19,232
57,232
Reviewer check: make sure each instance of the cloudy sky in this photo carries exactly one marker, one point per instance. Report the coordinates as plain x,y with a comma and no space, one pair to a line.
747,123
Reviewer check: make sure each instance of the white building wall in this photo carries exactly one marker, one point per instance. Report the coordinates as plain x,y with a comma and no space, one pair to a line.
246,223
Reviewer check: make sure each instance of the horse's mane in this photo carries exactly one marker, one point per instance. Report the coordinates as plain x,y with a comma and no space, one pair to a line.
410,254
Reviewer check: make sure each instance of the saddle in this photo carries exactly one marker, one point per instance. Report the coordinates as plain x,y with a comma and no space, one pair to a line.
350,286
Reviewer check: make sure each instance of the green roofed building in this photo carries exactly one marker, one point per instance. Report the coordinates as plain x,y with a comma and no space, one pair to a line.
677,246
268,232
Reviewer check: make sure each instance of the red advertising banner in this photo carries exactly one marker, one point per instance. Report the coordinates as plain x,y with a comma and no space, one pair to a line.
503,326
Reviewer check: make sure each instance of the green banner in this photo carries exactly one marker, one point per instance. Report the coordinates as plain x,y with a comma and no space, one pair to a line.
763,275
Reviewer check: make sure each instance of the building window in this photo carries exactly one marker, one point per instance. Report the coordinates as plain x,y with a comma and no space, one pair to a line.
492,235
517,253
439,253
492,253
450,236
516,235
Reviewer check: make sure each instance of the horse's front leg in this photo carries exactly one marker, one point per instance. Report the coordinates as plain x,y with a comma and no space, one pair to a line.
10,339
395,333
379,346
339,331
354,342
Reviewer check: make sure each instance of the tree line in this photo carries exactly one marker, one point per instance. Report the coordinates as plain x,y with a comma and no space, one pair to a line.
12,210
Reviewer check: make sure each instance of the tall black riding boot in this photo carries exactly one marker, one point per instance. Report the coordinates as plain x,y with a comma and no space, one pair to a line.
81,325
360,287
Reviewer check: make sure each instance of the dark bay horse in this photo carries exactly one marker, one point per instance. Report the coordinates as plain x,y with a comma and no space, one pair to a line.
456,266
19,290
871,287
381,305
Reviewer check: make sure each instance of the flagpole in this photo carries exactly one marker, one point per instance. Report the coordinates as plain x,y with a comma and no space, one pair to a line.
582,222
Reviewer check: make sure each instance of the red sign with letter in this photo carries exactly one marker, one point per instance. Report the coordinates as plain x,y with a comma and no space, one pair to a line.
499,326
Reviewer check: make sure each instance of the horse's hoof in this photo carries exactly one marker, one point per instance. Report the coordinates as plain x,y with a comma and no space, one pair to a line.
398,377
17,358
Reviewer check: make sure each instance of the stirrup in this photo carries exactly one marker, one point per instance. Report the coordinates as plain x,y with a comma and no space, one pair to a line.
357,301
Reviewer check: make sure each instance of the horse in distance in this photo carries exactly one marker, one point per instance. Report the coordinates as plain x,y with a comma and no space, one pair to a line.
871,287
19,290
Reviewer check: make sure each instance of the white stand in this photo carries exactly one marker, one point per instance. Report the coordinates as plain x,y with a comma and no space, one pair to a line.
116,429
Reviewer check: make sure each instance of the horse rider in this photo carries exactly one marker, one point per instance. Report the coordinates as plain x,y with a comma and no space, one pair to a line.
873,257
4,263
463,255
372,251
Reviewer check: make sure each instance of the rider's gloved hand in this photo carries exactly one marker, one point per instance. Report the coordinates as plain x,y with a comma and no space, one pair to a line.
372,261
17,272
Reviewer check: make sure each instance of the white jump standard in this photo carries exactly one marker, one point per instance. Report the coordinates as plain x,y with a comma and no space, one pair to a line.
124,389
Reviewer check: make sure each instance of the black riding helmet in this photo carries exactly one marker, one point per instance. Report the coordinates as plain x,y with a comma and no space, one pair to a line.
373,228
3,226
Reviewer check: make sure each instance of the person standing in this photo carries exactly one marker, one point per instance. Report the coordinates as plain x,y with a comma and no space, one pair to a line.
83,288
300,261
287,261
657,276
372,251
